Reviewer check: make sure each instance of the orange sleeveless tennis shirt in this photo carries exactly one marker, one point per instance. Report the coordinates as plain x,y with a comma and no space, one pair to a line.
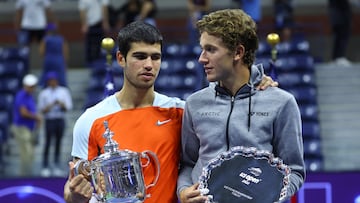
152,128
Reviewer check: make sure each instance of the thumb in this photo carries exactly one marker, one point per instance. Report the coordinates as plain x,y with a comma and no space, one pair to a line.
195,186
72,170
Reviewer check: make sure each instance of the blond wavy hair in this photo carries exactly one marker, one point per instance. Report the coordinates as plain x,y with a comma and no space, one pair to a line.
234,27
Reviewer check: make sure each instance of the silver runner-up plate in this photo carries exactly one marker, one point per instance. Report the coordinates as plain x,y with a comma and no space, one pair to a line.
245,175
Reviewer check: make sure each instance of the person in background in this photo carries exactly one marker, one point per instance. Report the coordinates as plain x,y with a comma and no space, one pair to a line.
148,12
252,8
136,104
113,14
26,121
340,14
196,9
53,102
231,111
95,25
31,18
284,19
55,51
133,10
129,11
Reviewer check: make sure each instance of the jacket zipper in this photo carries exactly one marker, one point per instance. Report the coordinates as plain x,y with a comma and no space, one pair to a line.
228,123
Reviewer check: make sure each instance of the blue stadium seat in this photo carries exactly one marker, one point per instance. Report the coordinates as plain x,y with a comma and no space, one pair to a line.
295,62
302,64
264,50
293,79
117,70
181,66
309,112
118,80
4,119
6,101
12,68
4,125
169,66
14,53
314,164
296,46
9,85
3,138
19,54
312,147
301,46
180,50
180,77
311,129
98,80
98,67
171,50
178,82
303,94
93,97
96,83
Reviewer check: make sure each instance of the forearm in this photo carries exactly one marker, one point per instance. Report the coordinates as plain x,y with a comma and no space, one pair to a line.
146,8
296,181
17,21
190,6
105,18
24,112
83,21
184,179
66,51
50,16
83,17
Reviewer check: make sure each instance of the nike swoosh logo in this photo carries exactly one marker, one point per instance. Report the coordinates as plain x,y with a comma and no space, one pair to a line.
158,123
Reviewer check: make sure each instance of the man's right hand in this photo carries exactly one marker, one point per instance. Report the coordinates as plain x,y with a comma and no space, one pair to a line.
77,189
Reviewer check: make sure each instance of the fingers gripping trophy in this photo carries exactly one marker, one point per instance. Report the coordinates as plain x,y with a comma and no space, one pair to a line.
117,174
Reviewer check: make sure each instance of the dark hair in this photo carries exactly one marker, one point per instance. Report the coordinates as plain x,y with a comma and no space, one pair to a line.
138,31
234,27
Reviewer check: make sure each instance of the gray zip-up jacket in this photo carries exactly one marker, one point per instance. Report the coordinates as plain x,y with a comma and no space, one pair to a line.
214,121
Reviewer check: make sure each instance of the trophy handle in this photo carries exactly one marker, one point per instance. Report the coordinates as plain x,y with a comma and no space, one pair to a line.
147,154
86,168
82,166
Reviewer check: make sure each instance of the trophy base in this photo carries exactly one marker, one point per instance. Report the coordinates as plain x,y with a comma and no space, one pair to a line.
116,200
123,200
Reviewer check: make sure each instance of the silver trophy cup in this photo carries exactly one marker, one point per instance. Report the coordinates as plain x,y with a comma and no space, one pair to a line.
117,175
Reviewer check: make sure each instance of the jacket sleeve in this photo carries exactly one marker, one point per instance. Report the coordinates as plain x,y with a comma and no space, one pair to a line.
189,151
288,143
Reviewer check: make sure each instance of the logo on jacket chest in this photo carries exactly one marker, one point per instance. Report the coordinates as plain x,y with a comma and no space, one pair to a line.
208,114
261,114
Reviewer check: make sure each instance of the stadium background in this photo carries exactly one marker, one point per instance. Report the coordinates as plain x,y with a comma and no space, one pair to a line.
334,179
